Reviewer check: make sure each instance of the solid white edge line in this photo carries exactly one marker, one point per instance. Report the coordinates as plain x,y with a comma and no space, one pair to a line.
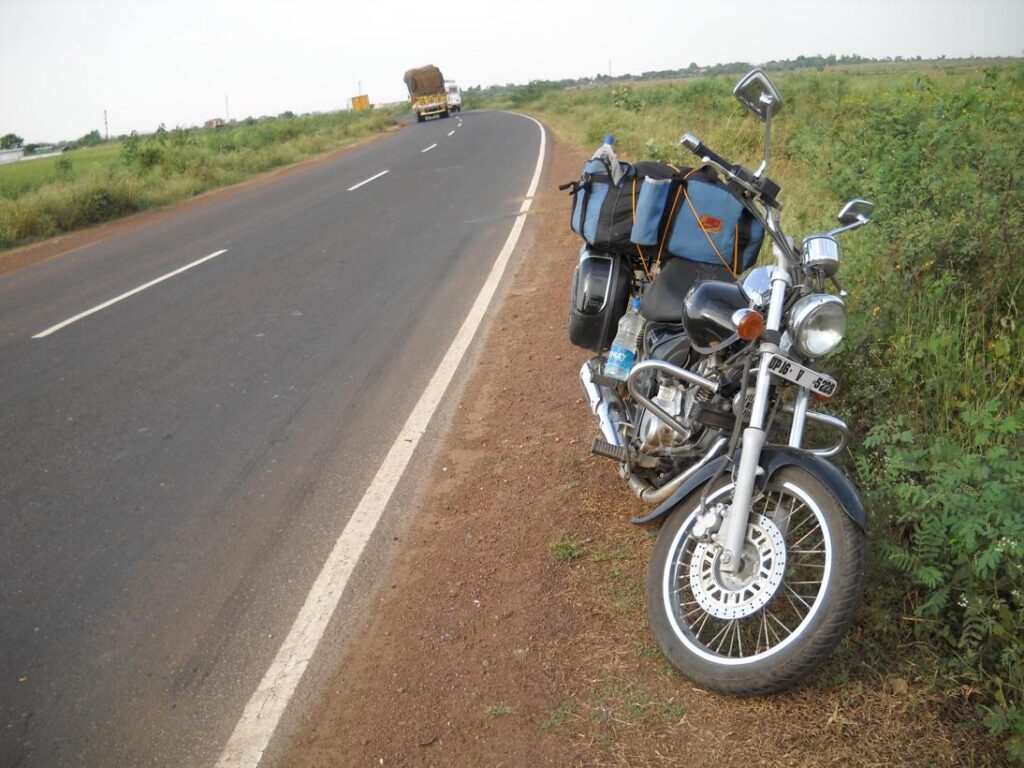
104,305
428,148
366,181
252,733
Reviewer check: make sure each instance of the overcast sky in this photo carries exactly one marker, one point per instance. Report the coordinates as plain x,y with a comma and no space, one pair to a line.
62,63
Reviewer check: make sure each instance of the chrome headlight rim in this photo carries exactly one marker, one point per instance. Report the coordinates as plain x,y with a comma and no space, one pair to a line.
817,324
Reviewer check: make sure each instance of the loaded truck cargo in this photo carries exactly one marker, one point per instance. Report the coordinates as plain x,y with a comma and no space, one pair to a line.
426,92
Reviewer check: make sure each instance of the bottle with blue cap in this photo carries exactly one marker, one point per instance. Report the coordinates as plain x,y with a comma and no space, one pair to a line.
607,153
622,355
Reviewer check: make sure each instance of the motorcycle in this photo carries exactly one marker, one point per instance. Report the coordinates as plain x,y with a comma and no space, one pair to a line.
759,562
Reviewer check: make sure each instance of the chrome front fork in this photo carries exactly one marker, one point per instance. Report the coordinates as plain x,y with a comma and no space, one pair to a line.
734,529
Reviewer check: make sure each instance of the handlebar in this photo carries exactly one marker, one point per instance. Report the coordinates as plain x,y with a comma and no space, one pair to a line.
696,146
762,187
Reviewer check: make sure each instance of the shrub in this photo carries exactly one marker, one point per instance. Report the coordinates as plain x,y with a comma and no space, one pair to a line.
956,529
939,271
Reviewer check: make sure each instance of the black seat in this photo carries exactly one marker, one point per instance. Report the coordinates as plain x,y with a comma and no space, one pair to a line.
663,302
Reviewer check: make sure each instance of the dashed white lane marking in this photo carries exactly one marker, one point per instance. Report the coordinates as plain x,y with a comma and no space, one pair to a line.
451,133
104,305
366,181
428,148
249,740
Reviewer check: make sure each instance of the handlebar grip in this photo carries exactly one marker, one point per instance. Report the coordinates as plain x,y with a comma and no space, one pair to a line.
692,143
698,148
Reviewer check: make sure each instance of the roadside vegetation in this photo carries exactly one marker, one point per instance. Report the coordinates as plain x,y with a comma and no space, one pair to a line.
932,367
88,185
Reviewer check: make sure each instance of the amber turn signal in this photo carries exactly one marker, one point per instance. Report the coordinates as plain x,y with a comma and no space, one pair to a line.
749,324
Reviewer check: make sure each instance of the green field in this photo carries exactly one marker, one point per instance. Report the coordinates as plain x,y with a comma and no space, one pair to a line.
51,196
932,371
18,178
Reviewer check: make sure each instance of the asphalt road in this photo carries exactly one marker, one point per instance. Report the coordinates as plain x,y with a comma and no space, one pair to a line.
176,467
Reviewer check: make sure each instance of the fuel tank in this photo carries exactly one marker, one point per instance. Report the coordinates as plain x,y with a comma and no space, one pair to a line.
708,311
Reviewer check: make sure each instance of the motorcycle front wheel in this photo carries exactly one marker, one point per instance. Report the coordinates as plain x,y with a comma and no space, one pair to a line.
767,627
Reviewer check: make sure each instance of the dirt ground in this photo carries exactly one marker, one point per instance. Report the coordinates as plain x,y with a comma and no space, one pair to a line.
511,631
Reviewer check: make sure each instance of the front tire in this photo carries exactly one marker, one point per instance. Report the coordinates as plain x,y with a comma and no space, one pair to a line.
768,627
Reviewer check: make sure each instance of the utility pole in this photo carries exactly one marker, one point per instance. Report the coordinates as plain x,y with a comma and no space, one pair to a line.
106,127
609,67
226,114
360,89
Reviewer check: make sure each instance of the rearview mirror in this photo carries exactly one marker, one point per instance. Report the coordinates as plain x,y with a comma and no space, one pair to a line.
856,212
756,92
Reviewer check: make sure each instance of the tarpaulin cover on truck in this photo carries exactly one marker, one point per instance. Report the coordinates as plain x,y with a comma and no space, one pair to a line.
424,81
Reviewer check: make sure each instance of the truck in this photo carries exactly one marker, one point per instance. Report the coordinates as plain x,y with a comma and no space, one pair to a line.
454,96
426,92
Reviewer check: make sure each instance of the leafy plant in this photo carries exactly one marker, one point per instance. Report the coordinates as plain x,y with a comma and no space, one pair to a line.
567,548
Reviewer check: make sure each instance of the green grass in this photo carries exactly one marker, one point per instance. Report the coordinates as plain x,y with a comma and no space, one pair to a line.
561,715
498,710
932,370
567,548
18,178
51,196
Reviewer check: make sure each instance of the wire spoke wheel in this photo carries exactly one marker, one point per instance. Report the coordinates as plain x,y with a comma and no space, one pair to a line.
763,627
745,614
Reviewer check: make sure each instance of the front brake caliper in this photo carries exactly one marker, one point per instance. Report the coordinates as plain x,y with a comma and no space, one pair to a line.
707,524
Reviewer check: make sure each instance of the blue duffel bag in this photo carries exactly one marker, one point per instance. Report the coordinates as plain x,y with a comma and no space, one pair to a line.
697,219
602,211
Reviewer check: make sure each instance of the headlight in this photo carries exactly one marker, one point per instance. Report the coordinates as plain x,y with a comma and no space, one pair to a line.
817,324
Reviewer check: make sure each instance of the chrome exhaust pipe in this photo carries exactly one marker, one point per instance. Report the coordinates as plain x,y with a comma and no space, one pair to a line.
657,495
604,404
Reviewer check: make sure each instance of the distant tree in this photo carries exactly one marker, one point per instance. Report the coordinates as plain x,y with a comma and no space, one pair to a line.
287,114
11,141
91,139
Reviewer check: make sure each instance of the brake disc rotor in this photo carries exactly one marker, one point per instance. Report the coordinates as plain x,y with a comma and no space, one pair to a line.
727,595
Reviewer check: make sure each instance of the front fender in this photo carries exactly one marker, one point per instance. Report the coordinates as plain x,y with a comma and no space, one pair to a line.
773,458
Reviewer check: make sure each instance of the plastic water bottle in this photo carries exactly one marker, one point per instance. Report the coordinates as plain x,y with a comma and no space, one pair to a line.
622,355
607,153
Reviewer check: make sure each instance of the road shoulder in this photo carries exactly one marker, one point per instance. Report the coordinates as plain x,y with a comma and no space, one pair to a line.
510,628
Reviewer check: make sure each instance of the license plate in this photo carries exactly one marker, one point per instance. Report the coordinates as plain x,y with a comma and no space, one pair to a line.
823,385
